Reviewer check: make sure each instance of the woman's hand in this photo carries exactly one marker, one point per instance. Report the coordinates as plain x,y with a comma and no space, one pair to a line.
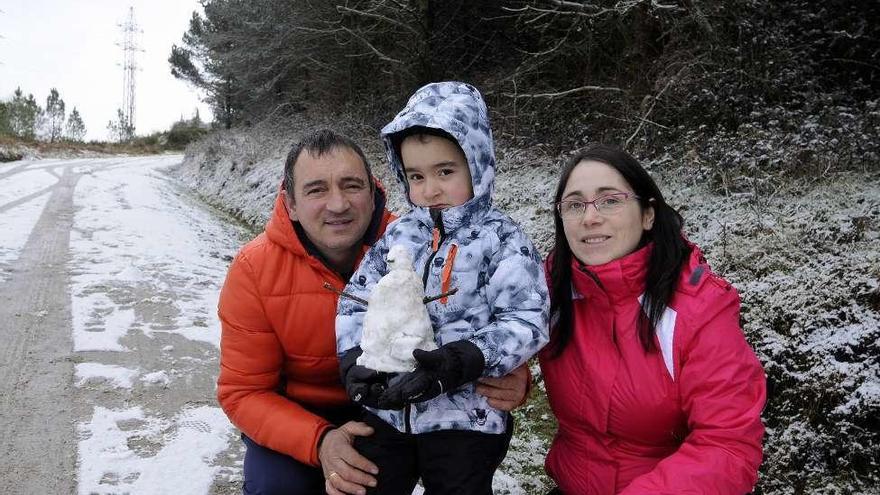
507,392
345,470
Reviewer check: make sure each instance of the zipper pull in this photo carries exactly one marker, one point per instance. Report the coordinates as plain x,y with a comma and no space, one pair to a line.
446,277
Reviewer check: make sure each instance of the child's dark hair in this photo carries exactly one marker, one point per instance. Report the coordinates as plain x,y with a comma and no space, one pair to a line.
422,132
664,266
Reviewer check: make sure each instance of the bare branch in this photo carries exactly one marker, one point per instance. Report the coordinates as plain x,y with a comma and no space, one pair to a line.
562,41
563,93
538,17
371,47
543,12
699,17
661,6
448,293
851,61
345,294
654,123
644,118
316,30
342,8
590,10
575,5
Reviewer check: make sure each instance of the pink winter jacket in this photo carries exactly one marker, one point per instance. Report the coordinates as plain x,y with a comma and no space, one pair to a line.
685,419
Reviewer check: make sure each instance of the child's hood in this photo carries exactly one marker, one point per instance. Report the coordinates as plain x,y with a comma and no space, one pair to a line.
458,109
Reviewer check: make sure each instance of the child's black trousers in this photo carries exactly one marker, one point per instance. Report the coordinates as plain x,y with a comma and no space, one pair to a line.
447,461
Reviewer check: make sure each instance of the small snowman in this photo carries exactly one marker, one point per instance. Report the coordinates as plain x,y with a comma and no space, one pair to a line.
396,322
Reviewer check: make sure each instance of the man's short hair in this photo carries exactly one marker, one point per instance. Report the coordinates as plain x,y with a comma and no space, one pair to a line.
317,143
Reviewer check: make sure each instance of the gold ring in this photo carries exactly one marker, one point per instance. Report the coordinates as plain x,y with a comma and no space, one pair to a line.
331,475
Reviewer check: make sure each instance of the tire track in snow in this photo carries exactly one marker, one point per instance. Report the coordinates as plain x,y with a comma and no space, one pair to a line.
37,444
15,170
147,262
162,428
20,201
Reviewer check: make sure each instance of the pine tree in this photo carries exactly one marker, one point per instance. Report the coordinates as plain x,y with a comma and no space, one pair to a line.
24,115
196,121
5,127
120,130
54,115
76,129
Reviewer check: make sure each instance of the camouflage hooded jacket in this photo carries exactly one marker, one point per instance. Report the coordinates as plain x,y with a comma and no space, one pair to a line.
502,301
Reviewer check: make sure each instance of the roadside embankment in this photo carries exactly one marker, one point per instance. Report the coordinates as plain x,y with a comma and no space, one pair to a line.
795,232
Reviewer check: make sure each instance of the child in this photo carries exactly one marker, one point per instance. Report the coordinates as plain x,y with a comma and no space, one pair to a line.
430,423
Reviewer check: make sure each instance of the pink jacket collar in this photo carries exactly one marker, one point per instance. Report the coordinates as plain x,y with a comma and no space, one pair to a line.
623,278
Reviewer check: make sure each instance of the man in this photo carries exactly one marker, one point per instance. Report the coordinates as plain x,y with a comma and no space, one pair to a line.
279,376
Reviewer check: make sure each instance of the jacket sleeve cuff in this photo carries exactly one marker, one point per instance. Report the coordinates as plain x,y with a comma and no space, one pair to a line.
323,430
471,359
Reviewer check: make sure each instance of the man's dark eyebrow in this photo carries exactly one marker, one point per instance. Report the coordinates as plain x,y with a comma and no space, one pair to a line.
359,180
313,183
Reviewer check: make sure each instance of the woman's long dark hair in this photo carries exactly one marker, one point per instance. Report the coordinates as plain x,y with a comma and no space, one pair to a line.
664,266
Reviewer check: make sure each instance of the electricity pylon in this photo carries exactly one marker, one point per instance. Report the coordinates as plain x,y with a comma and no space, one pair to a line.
130,47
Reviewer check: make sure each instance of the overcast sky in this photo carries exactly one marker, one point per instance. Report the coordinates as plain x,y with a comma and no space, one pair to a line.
71,45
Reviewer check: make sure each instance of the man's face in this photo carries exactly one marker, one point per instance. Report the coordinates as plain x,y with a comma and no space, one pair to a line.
333,201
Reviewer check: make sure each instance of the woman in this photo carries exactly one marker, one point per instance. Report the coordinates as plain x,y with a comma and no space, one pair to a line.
648,373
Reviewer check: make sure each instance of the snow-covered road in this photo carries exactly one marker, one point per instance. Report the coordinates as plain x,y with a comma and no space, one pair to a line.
109,277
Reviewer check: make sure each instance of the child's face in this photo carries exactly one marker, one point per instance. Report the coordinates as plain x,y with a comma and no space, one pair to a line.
437,172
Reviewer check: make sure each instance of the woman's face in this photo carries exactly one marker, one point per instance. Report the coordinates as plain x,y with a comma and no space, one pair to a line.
597,238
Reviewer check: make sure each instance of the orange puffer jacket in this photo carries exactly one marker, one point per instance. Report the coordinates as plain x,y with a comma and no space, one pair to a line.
278,328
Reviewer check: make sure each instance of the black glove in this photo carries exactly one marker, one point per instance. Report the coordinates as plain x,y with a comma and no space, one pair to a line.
363,385
439,371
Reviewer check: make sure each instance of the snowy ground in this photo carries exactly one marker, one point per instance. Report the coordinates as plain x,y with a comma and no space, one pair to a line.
130,320
109,276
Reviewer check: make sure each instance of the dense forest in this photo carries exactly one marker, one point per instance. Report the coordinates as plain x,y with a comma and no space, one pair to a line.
770,101
644,72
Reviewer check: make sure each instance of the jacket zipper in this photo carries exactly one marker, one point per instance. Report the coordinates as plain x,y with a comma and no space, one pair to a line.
438,234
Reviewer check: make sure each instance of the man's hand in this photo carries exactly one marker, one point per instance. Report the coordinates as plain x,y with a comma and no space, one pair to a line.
346,471
507,392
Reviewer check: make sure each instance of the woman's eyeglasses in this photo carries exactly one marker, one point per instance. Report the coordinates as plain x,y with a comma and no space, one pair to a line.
605,205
